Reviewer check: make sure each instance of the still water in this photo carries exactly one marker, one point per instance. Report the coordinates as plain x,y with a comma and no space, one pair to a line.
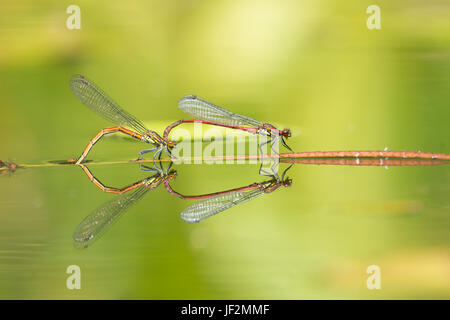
312,239
311,66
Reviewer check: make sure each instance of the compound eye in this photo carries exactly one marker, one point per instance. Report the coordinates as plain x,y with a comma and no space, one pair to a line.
286,132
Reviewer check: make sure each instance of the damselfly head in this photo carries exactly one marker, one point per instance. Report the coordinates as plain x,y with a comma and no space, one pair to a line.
171,144
286,133
172,175
287,182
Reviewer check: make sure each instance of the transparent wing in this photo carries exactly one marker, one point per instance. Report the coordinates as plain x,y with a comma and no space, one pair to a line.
204,110
99,221
211,206
96,100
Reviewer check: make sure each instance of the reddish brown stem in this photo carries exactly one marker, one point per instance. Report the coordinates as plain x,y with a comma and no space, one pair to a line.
367,154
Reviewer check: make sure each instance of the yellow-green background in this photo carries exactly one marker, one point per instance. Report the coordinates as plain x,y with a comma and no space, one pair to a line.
312,66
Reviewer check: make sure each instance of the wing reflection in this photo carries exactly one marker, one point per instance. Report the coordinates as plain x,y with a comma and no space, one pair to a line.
99,221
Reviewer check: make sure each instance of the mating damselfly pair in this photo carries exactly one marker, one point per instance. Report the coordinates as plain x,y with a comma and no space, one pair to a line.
203,111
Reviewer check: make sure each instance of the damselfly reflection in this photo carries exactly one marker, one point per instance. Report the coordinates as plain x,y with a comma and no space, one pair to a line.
99,221
215,203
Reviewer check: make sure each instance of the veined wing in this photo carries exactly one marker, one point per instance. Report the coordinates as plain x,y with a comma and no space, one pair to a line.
98,222
204,110
96,100
211,206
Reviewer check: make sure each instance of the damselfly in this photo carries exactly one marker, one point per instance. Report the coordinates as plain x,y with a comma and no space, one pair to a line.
96,100
97,223
208,113
215,203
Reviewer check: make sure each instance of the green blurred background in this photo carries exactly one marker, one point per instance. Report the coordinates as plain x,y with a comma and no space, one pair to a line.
312,66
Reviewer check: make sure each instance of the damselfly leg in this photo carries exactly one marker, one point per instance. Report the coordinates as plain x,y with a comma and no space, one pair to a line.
157,166
143,167
273,169
283,142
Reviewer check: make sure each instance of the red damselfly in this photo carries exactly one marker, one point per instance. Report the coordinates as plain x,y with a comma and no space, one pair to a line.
97,100
208,113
